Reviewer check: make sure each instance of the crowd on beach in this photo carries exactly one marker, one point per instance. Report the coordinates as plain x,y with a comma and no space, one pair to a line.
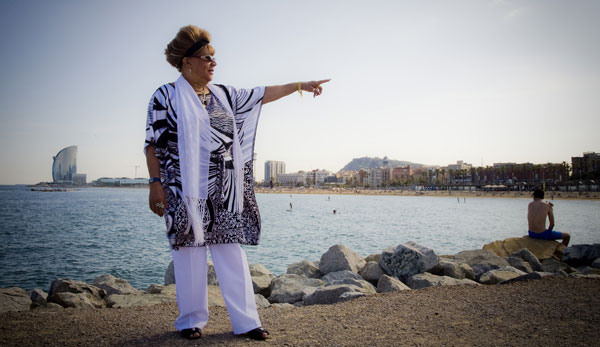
551,195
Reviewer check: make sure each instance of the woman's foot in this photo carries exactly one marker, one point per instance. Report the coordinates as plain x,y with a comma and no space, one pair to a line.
258,334
192,334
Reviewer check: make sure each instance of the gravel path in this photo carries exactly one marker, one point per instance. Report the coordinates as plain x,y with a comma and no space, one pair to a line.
552,311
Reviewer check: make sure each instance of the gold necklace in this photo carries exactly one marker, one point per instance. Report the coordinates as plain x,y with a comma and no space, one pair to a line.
202,95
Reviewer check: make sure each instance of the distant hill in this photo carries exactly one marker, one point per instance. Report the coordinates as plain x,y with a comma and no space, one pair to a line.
368,163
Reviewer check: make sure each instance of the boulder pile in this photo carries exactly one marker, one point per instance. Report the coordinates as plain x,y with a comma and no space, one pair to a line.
340,275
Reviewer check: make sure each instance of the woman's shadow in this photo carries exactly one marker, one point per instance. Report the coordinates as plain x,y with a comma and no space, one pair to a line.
173,338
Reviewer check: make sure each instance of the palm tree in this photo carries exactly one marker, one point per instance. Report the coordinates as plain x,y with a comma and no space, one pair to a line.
566,168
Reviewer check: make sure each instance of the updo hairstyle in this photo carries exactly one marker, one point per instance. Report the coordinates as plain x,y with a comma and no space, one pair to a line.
185,38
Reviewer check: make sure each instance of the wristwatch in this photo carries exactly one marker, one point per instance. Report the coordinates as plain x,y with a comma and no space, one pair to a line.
154,179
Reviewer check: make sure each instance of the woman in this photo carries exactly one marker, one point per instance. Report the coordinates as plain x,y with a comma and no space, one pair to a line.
199,150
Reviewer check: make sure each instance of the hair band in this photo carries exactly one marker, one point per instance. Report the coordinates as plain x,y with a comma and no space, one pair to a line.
193,49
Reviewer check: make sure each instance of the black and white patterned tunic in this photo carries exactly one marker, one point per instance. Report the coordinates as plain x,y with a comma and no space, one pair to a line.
226,226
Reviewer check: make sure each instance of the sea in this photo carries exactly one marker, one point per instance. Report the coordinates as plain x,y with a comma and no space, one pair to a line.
93,231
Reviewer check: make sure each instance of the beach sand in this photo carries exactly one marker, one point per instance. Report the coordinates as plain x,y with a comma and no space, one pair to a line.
439,193
547,312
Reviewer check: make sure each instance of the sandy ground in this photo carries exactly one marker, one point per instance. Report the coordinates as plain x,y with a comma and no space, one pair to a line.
548,312
440,193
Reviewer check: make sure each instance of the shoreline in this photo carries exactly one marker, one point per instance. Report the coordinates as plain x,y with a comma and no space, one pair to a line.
434,193
558,195
472,296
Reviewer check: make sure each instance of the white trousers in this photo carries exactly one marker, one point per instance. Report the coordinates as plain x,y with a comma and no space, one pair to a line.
234,279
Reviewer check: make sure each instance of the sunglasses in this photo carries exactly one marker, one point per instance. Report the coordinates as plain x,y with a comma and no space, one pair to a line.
208,58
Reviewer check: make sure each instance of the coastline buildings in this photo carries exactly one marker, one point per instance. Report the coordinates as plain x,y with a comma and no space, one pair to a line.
401,173
123,181
303,178
586,167
585,175
378,177
64,167
272,169
292,179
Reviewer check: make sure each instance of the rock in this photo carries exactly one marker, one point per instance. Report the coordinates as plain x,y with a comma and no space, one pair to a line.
530,258
588,270
340,275
131,300
308,269
338,258
79,301
158,289
261,279
407,259
480,260
38,298
388,284
519,263
14,299
553,265
542,249
154,289
350,295
536,275
579,255
53,306
170,274
327,295
262,284
450,268
259,270
373,257
499,275
261,301
578,275
288,288
365,285
596,263
426,279
113,285
69,293
371,272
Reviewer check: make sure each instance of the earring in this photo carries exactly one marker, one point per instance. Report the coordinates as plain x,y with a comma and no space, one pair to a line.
190,71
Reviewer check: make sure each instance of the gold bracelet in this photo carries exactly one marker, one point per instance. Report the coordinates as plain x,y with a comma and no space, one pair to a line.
299,88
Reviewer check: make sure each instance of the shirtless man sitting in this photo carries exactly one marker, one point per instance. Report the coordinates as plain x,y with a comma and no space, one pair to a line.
536,216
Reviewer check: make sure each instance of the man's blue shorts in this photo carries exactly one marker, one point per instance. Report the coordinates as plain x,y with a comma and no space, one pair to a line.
546,235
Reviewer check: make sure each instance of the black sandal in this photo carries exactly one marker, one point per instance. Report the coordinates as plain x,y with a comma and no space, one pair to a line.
258,334
189,333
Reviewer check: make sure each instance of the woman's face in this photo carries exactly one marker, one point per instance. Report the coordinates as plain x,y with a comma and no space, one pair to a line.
202,68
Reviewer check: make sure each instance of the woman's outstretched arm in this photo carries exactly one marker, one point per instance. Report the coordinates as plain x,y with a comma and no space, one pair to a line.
273,93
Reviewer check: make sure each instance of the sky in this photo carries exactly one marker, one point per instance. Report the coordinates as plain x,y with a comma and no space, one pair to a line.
430,82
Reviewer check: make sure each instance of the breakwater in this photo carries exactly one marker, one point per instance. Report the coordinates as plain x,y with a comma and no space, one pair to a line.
339,275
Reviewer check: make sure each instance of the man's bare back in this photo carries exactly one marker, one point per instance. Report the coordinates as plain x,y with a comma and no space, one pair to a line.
537,211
